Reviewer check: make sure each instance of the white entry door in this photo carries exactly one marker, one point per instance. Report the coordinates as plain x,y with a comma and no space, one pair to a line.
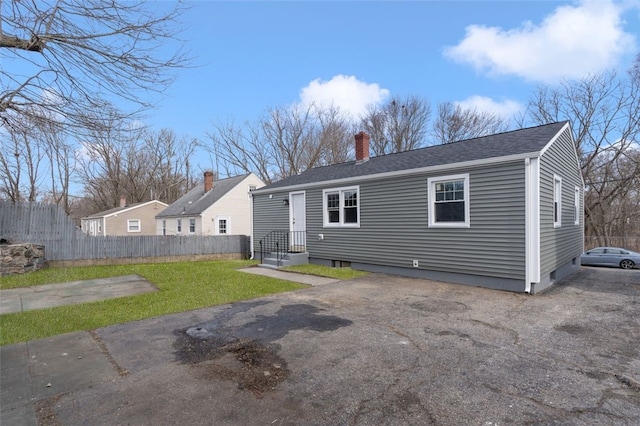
298,221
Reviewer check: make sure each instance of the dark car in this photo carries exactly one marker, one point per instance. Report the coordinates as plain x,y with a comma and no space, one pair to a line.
611,256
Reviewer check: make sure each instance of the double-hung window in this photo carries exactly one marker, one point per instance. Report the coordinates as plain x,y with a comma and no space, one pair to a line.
557,201
449,201
341,207
192,226
576,206
178,226
222,225
133,225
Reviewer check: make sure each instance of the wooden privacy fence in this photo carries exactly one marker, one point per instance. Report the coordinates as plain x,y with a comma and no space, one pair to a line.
51,227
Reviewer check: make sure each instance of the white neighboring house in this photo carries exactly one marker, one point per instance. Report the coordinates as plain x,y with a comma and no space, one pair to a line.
221,207
132,219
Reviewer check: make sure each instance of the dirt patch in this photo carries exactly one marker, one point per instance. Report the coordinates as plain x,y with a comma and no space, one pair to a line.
253,366
46,412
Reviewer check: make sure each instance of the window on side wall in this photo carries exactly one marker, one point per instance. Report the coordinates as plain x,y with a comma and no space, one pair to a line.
557,201
449,201
164,227
133,225
341,207
178,226
576,206
192,226
223,226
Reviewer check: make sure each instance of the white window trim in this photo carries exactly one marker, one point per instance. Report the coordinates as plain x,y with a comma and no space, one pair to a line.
129,221
217,224
576,204
325,214
557,198
178,226
431,183
195,226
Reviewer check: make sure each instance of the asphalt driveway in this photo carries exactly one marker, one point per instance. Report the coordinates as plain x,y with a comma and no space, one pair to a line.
375,350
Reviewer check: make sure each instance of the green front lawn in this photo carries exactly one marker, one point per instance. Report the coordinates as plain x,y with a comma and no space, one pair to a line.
181,286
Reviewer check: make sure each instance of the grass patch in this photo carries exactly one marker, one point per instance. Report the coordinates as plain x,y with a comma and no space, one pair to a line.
183,286
326,271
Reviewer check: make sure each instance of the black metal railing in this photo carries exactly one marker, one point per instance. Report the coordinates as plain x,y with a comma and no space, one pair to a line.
279,243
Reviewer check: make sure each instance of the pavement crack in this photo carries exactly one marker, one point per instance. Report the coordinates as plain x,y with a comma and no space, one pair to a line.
103,347
399,333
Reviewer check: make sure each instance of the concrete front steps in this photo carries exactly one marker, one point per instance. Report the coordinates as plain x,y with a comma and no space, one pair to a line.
290,259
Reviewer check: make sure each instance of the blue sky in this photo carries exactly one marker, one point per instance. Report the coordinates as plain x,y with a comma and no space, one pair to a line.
250,56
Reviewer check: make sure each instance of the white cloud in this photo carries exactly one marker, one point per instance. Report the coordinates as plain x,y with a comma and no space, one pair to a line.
348,93
506,108
570,42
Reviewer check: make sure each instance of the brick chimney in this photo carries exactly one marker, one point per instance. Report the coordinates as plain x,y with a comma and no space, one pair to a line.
362,147
208,181
123,201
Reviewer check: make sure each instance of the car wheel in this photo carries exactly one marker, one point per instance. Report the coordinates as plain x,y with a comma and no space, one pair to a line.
627,264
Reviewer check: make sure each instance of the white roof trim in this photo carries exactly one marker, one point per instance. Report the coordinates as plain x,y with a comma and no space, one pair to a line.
127,209
398,173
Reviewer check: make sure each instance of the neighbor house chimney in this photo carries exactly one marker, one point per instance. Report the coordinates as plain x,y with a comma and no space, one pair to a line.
362,147
208,181
123,201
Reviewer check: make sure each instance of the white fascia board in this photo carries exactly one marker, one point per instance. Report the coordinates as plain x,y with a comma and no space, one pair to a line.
400,173
134,208
573,143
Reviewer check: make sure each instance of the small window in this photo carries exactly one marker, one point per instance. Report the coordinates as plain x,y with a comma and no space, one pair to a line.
222,226
164,227
341,207
178,226
557,201
576,207
192,226
449,201
133,225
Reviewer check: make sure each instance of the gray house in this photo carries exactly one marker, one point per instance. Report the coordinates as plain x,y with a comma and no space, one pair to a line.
501,211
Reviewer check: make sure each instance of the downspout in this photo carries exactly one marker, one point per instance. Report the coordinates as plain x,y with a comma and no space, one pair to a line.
251,226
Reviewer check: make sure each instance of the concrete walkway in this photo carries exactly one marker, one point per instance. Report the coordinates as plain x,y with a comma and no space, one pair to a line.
53,295
311,280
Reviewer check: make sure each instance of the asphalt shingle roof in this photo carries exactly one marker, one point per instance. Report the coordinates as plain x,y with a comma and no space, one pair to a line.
196,201
521,141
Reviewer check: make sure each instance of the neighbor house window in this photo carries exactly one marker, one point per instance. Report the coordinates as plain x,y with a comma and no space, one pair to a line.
576,206
178,226
449,201
341,207
164,227
557,201
133,225
192,226
223,225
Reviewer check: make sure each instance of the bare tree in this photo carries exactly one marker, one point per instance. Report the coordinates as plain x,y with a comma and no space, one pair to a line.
137,164
604,110
455,123
284,142
399,125
21,156
64,57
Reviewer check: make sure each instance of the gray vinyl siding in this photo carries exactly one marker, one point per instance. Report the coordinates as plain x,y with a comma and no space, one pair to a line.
269,214
394,225
559,246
